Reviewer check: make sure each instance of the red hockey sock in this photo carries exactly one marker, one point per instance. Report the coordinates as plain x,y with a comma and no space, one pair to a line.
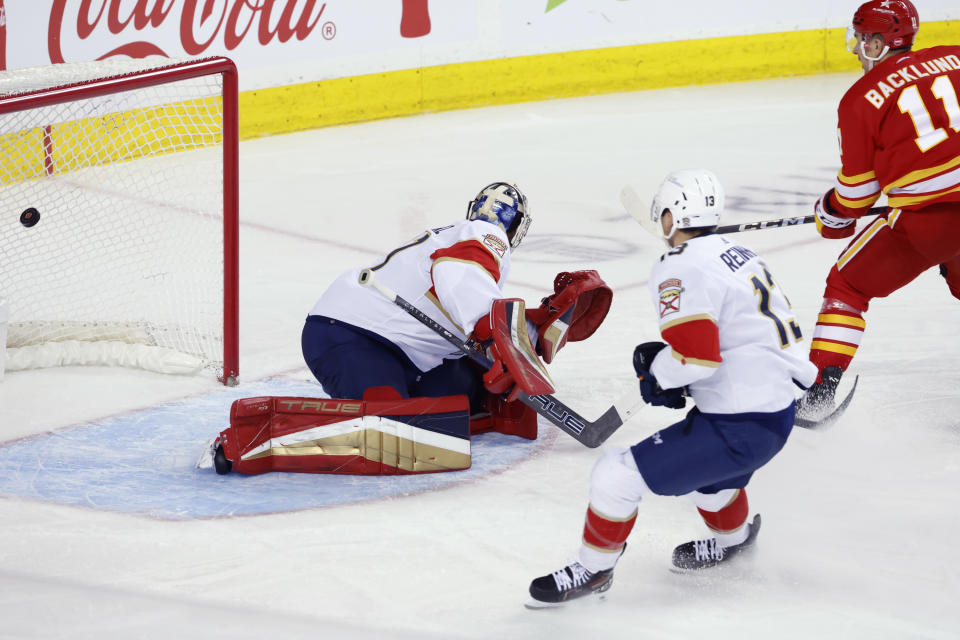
836,336
729,518
605,534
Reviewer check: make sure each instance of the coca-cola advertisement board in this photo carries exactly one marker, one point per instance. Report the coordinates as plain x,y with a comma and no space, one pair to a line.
282,42
273,42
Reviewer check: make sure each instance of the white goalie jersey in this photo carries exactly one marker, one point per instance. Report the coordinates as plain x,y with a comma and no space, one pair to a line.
452,274
734,341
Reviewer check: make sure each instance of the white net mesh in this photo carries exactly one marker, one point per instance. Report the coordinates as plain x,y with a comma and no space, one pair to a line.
129,192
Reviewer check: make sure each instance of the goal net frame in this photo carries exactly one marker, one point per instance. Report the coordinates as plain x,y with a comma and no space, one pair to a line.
163,72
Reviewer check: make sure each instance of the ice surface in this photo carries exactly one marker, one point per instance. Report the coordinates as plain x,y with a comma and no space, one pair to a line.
859,520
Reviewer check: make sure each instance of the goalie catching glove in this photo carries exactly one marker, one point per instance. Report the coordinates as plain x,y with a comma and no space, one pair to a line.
578,305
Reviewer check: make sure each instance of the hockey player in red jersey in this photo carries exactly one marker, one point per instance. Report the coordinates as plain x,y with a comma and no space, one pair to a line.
899,131
734,347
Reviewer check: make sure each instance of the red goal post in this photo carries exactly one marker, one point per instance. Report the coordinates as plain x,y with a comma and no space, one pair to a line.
131,167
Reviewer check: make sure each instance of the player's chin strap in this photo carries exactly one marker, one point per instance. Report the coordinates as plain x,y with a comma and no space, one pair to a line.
588,433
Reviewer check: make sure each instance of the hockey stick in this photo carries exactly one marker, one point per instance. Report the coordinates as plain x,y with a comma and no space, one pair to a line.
588,433
782,222
831,417
765,224
635,207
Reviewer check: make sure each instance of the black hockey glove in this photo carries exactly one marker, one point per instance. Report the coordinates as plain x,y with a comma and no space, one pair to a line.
650,389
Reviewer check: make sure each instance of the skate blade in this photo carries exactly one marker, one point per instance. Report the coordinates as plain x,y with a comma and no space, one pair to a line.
696,571
205,461
828,415
533,603
593,598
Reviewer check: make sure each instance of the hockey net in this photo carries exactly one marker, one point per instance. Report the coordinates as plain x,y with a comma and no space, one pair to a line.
131,168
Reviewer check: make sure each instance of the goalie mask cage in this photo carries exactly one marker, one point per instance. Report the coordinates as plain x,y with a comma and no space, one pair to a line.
131,168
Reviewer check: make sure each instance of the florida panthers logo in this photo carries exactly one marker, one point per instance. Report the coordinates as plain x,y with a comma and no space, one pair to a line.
495,244
670,291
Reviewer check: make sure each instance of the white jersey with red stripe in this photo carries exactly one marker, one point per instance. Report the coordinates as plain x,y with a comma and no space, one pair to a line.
453,274
733,338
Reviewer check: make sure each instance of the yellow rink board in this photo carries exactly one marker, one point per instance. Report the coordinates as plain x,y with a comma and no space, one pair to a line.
116,137
133,134
559,75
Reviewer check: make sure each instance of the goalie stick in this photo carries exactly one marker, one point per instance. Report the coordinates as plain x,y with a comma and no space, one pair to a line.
588,433
641,213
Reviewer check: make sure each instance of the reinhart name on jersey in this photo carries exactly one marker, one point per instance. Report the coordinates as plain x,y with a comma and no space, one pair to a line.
735,342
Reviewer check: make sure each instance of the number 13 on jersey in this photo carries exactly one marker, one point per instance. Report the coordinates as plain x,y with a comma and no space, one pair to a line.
764,288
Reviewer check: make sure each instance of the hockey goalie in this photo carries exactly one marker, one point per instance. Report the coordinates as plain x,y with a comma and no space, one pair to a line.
402,399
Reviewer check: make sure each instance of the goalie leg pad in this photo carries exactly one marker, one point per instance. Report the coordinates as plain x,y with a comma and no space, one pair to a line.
392,436
510,418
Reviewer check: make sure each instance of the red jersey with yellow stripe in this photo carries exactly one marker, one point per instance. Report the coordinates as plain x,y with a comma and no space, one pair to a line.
899,130
453,274
733,339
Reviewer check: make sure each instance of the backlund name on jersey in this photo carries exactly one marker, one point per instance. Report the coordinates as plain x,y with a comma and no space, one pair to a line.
910,73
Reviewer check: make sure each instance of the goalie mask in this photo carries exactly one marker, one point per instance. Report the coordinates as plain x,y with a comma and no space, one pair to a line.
693,196
504,205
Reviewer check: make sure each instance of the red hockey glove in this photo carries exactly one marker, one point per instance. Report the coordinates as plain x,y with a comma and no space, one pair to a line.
578,305
829,223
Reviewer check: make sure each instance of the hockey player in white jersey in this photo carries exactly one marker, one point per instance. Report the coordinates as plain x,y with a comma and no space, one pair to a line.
355,339
733,346
402,399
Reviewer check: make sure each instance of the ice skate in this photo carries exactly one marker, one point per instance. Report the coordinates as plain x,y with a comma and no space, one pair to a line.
818,402
572,582
205,461
220,462
213,456
702,554
569,583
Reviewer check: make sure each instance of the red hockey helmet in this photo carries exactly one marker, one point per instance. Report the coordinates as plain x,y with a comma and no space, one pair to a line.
896,20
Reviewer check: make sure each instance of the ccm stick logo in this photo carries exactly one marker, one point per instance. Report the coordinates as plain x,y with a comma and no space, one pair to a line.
556,410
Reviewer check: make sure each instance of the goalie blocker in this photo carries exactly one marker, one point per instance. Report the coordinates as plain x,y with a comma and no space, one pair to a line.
574,311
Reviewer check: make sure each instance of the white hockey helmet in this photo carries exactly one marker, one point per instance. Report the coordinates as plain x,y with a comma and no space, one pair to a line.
693,196
504,205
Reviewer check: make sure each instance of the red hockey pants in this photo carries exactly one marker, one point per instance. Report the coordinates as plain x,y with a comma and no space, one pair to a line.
893,250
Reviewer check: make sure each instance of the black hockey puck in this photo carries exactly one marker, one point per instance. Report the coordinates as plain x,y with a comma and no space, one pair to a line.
29,217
